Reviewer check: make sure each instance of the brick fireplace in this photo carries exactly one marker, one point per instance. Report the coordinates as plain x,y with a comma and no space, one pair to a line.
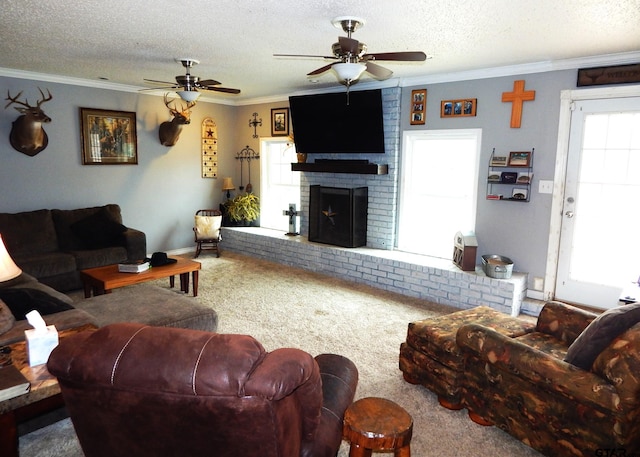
382,188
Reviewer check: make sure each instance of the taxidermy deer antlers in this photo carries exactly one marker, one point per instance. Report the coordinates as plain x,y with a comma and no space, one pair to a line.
27,134
170,131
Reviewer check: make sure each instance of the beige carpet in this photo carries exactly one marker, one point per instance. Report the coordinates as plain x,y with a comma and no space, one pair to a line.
287,307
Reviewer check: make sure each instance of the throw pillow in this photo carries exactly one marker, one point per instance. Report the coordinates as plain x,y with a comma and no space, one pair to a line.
6,318
600,333
208,227
22,301
98,230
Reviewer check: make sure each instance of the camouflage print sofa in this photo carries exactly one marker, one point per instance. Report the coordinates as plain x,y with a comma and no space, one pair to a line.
570,388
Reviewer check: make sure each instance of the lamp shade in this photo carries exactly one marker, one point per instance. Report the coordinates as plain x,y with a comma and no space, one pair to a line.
227,184
349,71
189,95
8,269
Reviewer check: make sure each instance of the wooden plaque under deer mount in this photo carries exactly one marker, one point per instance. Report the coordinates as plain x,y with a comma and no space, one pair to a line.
209,148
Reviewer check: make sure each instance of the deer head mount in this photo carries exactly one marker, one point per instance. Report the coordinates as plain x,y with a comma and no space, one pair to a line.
170,131
27,135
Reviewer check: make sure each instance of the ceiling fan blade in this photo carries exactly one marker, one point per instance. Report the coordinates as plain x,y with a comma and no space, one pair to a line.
349,45
158,88
209,82
377,71
155,81
408,56
305,56
320,70
226,90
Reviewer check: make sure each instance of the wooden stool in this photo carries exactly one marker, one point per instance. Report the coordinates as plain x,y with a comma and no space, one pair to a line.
376,424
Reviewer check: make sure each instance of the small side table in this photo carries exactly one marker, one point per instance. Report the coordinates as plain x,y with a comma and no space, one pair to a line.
376,424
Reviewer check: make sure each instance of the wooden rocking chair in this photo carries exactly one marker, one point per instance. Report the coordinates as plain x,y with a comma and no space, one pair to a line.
207,230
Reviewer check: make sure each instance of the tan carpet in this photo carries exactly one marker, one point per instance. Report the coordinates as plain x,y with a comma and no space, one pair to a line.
286,307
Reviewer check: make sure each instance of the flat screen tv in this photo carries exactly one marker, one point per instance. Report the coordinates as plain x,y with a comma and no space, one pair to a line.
325,123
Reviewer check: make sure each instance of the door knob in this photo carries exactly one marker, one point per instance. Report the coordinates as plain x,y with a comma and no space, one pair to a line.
569,214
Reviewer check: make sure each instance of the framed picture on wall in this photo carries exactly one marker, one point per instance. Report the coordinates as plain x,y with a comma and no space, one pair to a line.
280,122
519,159
418,106
108,137
499,161
458,108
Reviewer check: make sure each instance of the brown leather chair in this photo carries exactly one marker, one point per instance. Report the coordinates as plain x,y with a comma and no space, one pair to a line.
134,390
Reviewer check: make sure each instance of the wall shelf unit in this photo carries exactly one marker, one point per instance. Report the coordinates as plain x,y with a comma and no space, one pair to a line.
509,176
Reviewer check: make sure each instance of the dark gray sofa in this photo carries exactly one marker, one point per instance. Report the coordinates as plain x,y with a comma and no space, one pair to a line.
143,303
54,245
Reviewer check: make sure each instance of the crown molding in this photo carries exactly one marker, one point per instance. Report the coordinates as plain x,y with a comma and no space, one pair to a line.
495,72
528,68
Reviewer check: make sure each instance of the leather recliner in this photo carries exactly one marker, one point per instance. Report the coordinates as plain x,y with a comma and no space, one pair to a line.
134,390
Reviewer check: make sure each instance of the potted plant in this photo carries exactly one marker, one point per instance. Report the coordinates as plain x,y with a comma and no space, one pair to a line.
243,210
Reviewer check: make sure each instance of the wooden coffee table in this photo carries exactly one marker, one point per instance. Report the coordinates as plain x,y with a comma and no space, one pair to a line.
102,280
43,397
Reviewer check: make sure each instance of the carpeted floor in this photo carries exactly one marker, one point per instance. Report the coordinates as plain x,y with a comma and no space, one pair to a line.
286,307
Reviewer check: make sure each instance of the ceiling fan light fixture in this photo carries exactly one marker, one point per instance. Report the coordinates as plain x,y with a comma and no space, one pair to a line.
347,71
189,95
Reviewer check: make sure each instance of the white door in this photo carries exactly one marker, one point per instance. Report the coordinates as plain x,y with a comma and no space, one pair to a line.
599,251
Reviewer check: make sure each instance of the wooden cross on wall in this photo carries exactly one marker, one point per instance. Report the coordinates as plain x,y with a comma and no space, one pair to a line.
517,97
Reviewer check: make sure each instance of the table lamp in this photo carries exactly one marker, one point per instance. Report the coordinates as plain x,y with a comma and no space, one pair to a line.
227,184
8,268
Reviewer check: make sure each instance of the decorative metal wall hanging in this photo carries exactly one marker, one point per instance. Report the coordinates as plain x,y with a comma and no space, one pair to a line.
209,148
247,154
255,123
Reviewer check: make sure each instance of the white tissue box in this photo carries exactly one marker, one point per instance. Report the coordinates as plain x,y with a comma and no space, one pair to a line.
40,344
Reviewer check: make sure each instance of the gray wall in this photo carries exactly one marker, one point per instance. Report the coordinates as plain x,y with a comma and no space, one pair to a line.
517,230
161,194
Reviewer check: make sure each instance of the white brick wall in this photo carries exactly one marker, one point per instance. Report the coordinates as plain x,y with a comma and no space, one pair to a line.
437,280
378,265
382,188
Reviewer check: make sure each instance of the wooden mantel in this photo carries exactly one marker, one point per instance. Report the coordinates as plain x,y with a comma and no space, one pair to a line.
342,166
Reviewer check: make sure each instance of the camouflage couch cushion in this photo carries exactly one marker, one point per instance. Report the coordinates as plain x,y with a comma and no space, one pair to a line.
431,357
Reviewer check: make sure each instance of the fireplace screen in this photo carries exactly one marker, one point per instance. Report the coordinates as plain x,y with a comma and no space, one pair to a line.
338,216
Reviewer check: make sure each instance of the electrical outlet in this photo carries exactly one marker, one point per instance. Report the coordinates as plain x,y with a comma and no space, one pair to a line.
545,187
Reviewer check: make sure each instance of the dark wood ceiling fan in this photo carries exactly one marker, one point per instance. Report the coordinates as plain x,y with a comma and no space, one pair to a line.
354,54
191,83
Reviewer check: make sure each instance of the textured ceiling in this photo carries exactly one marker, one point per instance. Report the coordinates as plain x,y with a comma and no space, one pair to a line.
128,40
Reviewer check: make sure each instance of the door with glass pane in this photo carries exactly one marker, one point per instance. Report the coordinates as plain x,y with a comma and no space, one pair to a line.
599,249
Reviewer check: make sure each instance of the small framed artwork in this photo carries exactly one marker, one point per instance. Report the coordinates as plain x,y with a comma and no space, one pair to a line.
280,122
524,178
458,108
495,176
418,106
508,177
499,161
520,159
108,137
519,194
